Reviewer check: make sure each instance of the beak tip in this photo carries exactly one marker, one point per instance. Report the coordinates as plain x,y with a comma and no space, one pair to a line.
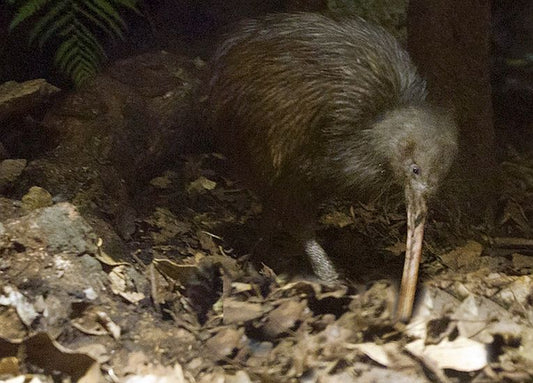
416,216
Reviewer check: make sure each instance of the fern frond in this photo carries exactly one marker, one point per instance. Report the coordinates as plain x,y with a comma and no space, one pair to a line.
82,70
77,48
75,61
91,53
130,4
102,15
108,9
60,7
90,39
72,22
81,74
97,22
68,57
80,54
54,29
29,9
65,47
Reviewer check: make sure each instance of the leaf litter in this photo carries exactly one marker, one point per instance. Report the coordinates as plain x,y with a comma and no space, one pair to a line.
194,304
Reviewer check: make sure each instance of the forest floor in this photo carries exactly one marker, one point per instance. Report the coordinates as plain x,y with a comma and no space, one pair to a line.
192,301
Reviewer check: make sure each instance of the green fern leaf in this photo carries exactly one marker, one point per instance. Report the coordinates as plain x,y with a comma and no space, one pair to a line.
75,60
81,49
68,58
82,70
130,4
28,9
78,64
58,8
97,22
99,14
93,57
107,8
64,49
79,53
89,55
54,28
80,76
72,60
86,34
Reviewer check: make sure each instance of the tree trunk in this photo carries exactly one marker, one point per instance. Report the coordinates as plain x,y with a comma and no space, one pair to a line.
450,43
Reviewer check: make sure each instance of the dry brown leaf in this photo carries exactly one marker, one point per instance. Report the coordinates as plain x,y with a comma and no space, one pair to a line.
122,284
181,274
224,343
200,185
51,357
522,261
207,243
240,312
337,219
317,289
102,256
464,257
397,249
284,317
167,224
9,366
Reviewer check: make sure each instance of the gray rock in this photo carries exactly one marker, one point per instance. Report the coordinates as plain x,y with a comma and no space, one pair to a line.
57,228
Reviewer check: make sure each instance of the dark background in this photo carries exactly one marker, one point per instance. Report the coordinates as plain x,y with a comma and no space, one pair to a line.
191,28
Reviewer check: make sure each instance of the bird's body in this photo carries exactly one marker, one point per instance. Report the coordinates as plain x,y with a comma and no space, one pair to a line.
308,108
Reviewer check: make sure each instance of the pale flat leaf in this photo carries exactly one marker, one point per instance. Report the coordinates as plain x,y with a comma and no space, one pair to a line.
461,354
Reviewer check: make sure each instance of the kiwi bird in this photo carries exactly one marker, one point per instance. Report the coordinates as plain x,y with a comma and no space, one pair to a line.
309,107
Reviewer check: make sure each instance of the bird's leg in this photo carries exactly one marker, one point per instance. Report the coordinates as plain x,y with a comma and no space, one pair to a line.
298,218
304,215
320,262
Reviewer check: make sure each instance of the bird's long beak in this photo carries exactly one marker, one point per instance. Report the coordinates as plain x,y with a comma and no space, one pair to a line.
416,218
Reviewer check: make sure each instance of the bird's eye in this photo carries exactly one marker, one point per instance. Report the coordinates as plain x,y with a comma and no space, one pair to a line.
415,169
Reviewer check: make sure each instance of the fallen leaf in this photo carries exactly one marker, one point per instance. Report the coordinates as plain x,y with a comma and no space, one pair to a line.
25,310
397,249
200,185
240,312
224,343
48,355
433,303
461,354
463,258
522,261
122,284
376,352
284,317
337,219
161,182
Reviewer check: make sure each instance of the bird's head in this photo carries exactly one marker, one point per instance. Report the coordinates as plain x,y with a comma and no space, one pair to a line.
419,145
